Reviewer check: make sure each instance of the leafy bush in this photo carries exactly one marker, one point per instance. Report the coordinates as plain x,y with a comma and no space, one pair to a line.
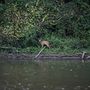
23,22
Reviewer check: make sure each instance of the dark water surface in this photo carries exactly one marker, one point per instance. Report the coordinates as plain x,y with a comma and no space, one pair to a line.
46,75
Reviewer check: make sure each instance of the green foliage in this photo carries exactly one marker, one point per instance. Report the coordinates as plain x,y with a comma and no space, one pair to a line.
23,22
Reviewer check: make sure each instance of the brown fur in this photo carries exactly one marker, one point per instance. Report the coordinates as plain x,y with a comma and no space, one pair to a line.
44,43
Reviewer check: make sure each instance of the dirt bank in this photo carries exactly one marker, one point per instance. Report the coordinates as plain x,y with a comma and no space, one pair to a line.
29,57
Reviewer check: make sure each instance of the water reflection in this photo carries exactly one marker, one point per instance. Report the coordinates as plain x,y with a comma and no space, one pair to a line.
47,75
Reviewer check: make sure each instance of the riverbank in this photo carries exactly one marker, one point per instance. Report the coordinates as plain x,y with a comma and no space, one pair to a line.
29,57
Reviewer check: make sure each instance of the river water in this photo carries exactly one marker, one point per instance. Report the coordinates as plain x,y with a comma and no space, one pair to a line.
45,75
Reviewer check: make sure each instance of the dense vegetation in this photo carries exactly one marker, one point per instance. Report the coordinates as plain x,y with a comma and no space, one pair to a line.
64,23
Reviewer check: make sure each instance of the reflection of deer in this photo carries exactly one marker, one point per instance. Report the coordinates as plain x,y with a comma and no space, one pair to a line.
44,43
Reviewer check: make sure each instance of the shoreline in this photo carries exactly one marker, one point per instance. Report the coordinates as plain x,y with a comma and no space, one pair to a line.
50,57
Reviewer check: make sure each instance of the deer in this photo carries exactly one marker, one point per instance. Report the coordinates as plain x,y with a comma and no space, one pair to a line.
44,43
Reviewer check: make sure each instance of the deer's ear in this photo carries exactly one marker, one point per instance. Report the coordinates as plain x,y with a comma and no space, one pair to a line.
39,40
